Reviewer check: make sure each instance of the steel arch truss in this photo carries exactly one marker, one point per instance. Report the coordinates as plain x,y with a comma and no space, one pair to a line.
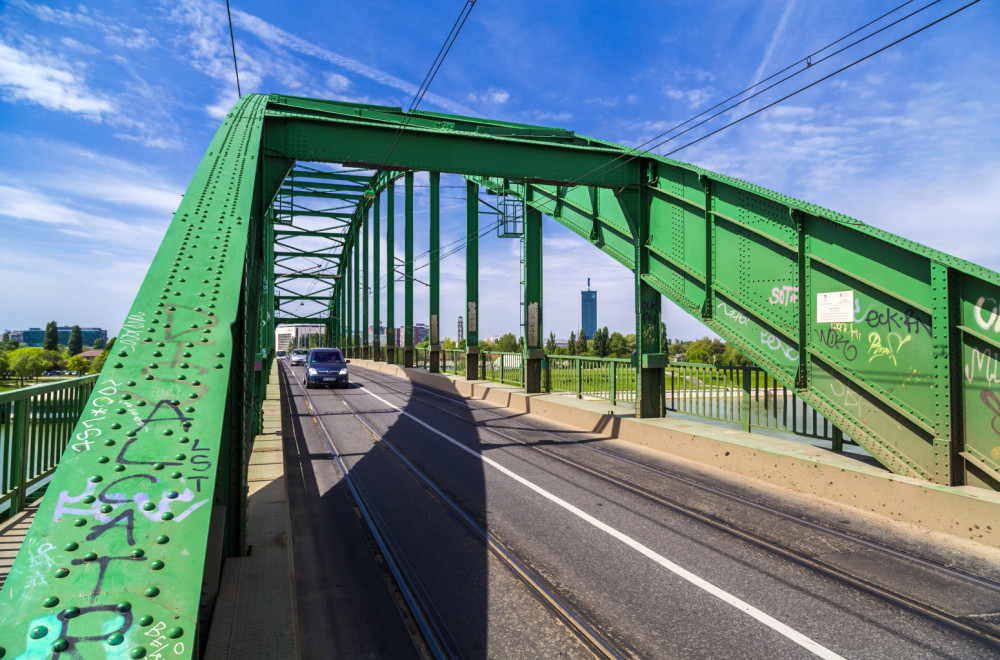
150,496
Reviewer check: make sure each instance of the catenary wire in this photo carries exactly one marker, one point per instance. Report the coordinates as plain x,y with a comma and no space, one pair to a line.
232,40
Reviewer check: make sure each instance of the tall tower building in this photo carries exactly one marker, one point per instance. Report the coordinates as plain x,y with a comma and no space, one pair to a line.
461,330
588,308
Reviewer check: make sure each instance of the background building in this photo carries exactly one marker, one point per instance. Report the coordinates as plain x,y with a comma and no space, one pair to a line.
588,305
35,337
461,330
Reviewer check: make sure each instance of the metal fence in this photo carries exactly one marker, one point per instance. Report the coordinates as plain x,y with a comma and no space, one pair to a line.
747,396
744,396
506,368
612,379
35,426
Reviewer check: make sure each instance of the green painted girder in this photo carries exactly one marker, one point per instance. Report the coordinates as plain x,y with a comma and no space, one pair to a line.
908,373
360,140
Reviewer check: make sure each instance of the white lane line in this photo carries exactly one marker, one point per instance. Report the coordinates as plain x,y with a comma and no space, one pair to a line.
701,583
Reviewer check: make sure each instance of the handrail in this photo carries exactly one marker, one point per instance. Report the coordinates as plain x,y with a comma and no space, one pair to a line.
36,424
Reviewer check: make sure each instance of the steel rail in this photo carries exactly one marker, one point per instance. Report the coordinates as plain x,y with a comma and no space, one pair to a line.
546,593
434,638
900,600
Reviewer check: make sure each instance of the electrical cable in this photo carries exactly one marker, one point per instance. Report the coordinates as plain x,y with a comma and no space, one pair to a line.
636,152
232,40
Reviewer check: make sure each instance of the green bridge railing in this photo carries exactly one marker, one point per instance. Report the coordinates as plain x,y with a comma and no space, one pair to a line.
36,424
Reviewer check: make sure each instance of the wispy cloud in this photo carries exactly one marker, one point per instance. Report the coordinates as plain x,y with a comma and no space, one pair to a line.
42,80
779,31
493,95
275,36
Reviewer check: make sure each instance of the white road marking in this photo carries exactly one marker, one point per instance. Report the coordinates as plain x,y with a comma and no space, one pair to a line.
681,572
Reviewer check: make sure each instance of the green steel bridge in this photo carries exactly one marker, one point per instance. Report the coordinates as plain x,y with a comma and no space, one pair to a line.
895,343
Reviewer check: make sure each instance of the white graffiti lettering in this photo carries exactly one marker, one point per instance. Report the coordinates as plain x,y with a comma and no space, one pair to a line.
784,295
993,322
984,361
775,344
734,314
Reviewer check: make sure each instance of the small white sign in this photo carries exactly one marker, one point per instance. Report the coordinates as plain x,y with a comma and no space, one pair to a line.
835,307
434,328
472,318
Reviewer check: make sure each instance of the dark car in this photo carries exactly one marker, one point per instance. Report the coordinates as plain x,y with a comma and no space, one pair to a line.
326,366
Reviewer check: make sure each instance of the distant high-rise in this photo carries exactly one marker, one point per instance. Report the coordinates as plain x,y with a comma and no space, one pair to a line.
461,330
588,306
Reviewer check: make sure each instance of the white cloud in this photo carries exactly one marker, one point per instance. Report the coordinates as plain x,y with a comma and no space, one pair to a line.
492,95
695,97
37,79
138,40
337,82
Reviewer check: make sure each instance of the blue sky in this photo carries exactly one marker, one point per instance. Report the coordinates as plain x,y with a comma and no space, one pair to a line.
107,107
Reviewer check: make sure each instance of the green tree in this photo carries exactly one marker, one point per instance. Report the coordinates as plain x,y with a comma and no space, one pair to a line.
98,343
507,343
4,363
51,341
571,344
581,342
550,344
602,342
28,363
733,357
7,344
78,365
520,344
75,343
449,344
102,358
617,346
462,344
663,336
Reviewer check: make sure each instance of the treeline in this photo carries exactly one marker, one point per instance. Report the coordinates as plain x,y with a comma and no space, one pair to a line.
25,363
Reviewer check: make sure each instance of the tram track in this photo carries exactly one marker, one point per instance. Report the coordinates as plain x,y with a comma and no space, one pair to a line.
435,640
913,569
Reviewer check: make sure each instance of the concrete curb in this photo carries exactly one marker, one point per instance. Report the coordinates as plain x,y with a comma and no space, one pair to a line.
966,512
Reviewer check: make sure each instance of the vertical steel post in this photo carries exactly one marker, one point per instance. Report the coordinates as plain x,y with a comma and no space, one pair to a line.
746,403
390,274
357,292
365,346
435,249
533,351
651,361
408,272
376,248
348,295
472,280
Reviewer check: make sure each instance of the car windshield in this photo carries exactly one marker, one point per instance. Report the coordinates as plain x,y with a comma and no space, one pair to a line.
299,351
326,356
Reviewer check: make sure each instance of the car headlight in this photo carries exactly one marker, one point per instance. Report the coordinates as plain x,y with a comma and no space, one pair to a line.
312,372
343,372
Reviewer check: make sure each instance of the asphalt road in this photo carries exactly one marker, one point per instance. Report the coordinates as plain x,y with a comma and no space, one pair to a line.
647,578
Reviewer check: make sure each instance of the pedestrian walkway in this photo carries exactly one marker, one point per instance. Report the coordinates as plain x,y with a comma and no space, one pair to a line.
12,533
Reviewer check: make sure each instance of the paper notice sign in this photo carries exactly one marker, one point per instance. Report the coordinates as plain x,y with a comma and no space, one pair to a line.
835,307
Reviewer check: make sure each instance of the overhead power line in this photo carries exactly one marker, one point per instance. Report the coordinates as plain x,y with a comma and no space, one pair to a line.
637,152
232,40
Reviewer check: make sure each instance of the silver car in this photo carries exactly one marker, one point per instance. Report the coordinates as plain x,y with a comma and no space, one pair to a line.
299,357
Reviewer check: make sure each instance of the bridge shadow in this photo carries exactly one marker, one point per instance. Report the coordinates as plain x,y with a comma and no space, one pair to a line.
348,604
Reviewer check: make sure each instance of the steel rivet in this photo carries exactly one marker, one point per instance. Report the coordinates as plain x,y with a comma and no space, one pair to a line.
152,592
60,646
116,425
62,572
51,601
167,516
109,442
157,466
138,552
71,546
148,377
115,639
175,632
175,475
90,556
162,539
145,620
96,479
119,467
167,432
39,632
107,508
79,522
123,607
103,459
137,652
155,565
71,612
